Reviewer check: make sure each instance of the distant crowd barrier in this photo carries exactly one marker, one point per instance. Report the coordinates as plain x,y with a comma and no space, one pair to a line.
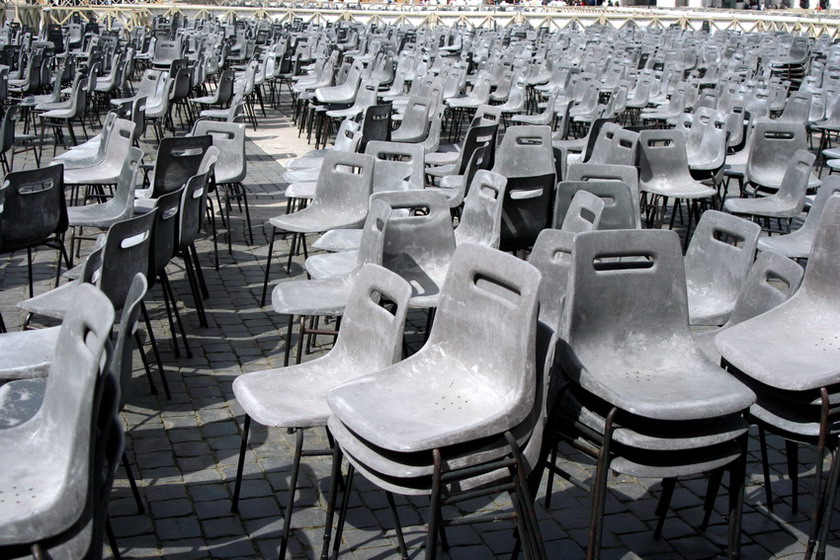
810,22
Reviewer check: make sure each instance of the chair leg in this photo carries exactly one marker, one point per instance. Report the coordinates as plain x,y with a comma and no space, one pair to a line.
287,518
237,486
828,508
342,515
129,474
395,517
434,507
765,467
530,528
268,265
335,478
153,343
288,350
199,304
599,491
737,474
668,486
139,342
792,452
112,540
169,294
198,272
712,488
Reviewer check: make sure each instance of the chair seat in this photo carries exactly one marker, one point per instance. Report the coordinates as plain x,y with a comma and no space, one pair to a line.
101,215
304,189
337,240
314,220
682,385
301,175
791,347
27,354
106,173
332,265
294,396
59,114
791,245
771,207
432,401
52,304
683,189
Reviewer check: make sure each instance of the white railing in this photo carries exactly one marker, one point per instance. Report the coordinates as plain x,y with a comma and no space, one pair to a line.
129,14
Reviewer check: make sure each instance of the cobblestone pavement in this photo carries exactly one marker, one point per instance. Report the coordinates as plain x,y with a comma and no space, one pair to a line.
185,449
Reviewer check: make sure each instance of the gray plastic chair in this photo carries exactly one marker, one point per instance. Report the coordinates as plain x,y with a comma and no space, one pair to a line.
788,201
773,147
617,212
370,339
59,487
771,281
625,351
397,165
790,356
505,289
664,174
231,166
117,208
584,213
332,277
797,244
341,201
716,265
481,219
415,122
627,174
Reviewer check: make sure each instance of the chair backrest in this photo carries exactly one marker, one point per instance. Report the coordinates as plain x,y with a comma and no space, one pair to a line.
614,145
229,138
481,217
487,315
552,256
345,181
525,151
64,422
376,124
165,240
771,281
528,208
619,211
7,128
773,146
416,116
397,165
795,181
718,258
819,283
372,243
193,204
121,362
370,337
584,212
622,278
34,207
177,160
662,156
419,241
124,193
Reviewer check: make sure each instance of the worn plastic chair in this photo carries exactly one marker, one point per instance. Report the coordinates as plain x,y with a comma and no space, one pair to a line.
118,207
716,264
484,289
771,281
178,159
797,244
664,174
34,214
618,211
614,404
370,339
345,183
788,355
58,489
773,146
231,166
480,222
584,213
787,202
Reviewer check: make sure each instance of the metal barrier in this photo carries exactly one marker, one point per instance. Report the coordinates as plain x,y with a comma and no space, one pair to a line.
130,14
